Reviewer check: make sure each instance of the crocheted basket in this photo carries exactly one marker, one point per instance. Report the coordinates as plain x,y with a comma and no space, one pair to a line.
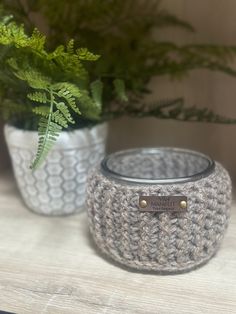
164,210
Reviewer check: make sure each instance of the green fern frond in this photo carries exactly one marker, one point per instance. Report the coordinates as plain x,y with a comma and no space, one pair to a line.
175,109
37,40
89,107
73,95
68,92
48,134
68,88
12,34
165,19
41,111
124,16
58,52
97,91
59,118
6,19
32,76
40,97
71,47
64,110
84,54
69,60
169,58
51,123
120,90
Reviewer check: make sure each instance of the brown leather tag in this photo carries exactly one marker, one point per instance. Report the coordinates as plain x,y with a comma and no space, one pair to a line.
163,203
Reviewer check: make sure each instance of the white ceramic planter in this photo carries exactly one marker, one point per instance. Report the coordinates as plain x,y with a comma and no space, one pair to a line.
58,187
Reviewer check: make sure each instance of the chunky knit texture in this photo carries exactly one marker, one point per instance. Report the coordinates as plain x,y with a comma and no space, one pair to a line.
163,242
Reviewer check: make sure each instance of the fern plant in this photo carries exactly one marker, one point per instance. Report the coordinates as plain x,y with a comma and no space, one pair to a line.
122,33
31,86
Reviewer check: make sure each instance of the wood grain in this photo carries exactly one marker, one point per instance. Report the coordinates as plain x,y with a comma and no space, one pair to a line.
50,265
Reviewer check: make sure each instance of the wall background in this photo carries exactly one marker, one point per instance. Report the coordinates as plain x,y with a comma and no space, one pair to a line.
215,21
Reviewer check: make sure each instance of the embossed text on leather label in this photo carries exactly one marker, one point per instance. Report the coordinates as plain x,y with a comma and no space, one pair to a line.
163,203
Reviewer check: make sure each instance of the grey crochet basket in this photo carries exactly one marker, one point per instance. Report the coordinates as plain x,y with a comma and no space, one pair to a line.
164,209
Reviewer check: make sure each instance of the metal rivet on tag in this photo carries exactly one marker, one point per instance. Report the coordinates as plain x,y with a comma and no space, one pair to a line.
143,203
183,204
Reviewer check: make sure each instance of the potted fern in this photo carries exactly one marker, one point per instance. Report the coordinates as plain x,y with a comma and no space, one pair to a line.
44,93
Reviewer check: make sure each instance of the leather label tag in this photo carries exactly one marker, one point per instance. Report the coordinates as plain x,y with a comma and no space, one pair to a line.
163,203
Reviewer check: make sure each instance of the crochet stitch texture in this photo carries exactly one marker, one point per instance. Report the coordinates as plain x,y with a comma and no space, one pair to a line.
163,242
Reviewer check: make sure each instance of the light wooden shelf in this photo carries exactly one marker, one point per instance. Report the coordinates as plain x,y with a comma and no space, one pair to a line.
50,265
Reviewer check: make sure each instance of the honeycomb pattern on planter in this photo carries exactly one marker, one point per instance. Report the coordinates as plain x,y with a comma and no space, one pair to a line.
58,187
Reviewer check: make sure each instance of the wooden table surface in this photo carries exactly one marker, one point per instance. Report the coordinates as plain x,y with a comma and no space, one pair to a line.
50,265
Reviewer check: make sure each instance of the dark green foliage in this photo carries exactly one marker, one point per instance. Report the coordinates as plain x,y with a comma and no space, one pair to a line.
120,90
97,88
172,109
122,32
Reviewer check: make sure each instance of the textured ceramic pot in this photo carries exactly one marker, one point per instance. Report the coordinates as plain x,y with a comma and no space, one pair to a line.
58,187
164,210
